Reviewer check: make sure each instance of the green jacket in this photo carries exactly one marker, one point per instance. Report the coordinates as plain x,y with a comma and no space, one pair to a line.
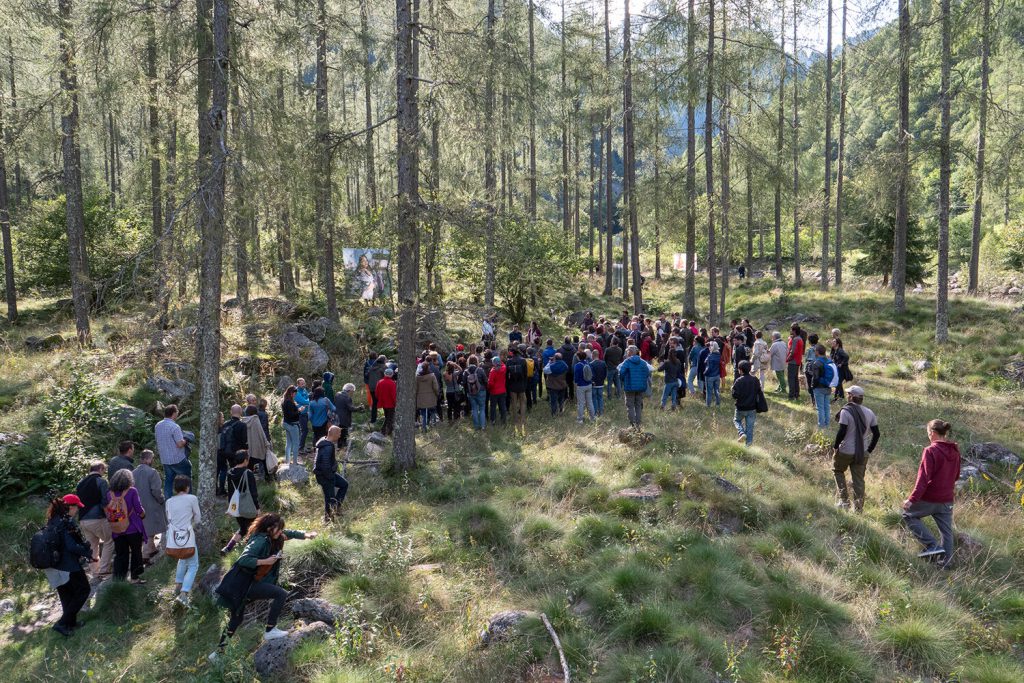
258,548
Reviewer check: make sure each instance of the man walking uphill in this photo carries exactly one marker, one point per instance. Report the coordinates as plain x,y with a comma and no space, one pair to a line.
856,424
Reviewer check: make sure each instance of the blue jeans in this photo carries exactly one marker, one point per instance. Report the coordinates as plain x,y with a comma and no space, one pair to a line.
476,404
671,391
171,471
424,414
597,396
822,401
615,380
689,378
303,430
334,487
744,421
712,385
291,442
186,572
942,513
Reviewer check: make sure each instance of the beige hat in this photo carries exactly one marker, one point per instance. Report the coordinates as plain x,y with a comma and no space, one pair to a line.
855,391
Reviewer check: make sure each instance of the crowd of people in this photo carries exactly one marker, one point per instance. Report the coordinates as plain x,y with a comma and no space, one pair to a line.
111,524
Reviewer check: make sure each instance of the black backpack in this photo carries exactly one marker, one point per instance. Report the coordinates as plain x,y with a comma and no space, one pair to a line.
46,545
225,446
517,370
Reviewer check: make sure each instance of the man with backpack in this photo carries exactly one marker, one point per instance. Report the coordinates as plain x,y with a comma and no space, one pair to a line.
232,437
92,492
824,376
555,373
515,386
583,376
852,448
636,375
325,469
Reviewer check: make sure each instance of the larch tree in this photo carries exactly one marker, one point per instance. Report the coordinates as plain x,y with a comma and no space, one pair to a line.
725,150
367,56
689,292
532,94
490,48
827,195
979,164
841,160
709,171
797,278
942,293
780,138
609,205
629,148
323,204
899,254
156,199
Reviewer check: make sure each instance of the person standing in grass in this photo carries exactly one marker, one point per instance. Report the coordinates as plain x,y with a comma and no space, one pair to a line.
344,409
386,398
696,348
852,448
599,375
794,360
842,363
673,371
260,561
67,574
636,379
92,492
556,372
170,444
474,384
151,495
426,394
290,422
777,353
515,388
325,469
761,358
934,491
713,375
612,357
819,379
747,393
452,390
320,409
183,516
810,358
583,377
126,514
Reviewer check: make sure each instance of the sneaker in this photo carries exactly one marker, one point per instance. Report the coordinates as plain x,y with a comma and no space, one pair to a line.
931,552
274,634
843,505
183,600
214,657
741,438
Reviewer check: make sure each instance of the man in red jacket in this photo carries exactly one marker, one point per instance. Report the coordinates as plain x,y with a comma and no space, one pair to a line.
933,493
387,398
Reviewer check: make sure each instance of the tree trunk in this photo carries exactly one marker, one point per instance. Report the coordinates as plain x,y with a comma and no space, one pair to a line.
609,206
709,172
10,293
748,166
590,211
842,154
629,145
408,201
371,172
657,194
689,293
942,292
489,175
725,150
155,177
14,119
979,165
601,208
826,211
214,65
324,209
899,255
285,218
565,131
533,115
797,278
780,140
78,262
240,218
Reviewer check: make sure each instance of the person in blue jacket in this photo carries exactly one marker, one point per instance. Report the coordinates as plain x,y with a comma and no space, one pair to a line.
555,376
599,371
695,351
68,575
320,409
302,401
636,377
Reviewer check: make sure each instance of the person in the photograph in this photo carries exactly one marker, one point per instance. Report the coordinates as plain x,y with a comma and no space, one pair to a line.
371,284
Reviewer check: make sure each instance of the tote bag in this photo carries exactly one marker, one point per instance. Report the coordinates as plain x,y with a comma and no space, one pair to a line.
241,503
181,543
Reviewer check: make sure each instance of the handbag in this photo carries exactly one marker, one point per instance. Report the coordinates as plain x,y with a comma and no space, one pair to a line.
234,587
181,543
271,462
241,503
762,402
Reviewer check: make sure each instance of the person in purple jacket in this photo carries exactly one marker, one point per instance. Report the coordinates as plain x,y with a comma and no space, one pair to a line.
127,543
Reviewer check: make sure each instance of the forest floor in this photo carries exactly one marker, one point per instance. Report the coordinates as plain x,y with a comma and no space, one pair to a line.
704,583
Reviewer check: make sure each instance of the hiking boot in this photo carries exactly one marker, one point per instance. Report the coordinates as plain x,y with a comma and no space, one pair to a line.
274,634
183,600
62,629
214,657
932,552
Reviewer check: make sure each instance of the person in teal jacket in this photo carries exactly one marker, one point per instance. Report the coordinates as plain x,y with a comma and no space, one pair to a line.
636,376
261,557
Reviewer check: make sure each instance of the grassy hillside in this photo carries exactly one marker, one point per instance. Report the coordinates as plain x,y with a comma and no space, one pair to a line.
702,584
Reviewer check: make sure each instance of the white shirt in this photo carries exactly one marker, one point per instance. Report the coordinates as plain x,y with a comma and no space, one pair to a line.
183,511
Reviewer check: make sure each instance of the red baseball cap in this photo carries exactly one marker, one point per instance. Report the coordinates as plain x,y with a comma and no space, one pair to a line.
72,499
460,347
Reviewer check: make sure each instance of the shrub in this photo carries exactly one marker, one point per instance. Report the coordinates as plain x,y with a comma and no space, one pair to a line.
389,552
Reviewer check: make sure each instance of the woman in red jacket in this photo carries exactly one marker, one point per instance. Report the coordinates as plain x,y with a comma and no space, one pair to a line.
496,391
933,493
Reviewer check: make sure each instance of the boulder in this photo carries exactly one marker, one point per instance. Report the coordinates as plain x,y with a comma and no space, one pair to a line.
995,453
175,390
317,609
272,655
968,474
208,582
263,306
1013,291
922,365
296,474
503,625
574,320
317,328
643,493
6,606
377,438
47,343
432,326
283,382
373,450
726,485
178,370
126,417
304,356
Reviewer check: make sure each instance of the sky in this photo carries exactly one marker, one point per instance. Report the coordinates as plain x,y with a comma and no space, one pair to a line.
862,15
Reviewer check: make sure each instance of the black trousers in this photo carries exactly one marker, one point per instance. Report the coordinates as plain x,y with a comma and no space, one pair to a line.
73,596
793,379
259,591
389,421
128,553
334,487
373,407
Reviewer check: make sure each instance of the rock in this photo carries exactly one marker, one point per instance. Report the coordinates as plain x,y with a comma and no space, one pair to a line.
304,356
272,655
968,544
178,370
283,382
6,606
726,485
47,343
502,625
646,478
574,320
922,365
209,581
296,474
11,438
1013,291
995,453
968,474
176,390
317,609
643,493
633,438
317,328
263,306
373,450
126,417
377,438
